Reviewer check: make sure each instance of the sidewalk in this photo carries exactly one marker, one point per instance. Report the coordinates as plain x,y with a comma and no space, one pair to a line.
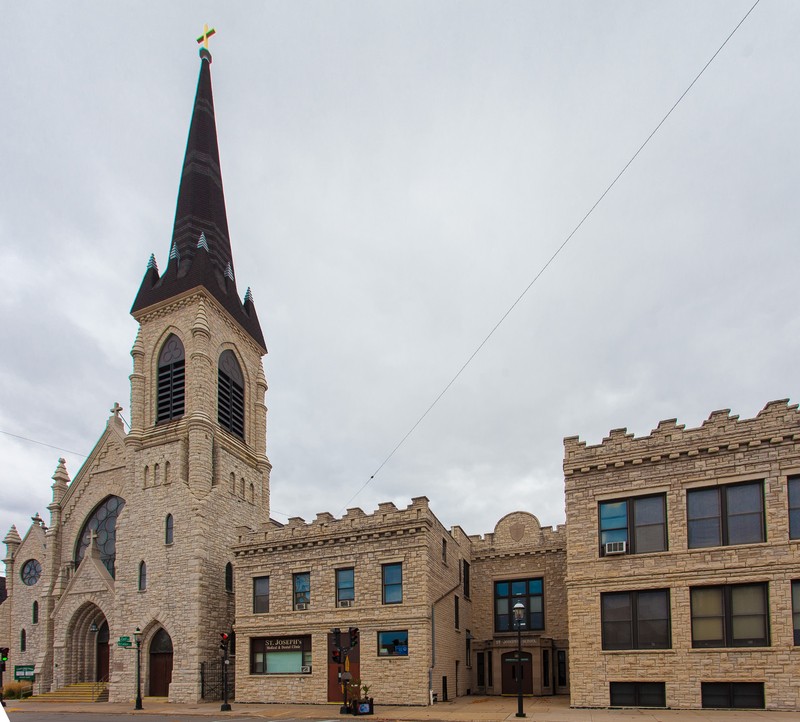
464,709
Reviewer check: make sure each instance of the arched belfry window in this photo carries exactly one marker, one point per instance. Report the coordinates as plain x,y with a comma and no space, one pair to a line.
171,380
102,526
230,394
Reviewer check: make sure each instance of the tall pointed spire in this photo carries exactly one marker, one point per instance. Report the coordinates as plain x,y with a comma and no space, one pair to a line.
200,251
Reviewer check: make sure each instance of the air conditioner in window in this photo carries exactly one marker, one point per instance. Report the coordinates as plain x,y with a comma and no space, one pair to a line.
301,607
616,547
305,669
345,602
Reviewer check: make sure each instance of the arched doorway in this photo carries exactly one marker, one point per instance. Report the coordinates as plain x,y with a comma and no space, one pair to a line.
87,647
510,670
101,653
160,663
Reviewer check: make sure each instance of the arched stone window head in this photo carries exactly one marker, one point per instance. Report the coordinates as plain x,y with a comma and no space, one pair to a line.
230,394
171,395
102,526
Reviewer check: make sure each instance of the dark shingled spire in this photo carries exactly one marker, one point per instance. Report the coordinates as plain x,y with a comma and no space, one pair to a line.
200,252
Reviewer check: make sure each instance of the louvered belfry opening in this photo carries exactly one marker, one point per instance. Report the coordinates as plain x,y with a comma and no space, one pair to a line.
171,380
230,394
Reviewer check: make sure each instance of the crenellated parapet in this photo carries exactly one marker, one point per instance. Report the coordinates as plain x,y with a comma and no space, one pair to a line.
777,423
355,525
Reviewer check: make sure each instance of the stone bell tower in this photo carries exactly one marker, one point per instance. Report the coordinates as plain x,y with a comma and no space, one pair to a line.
197,441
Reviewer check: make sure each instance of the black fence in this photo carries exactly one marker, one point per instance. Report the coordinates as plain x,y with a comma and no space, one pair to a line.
211,679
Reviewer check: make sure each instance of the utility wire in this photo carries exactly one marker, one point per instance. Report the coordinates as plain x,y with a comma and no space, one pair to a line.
551,259
42,443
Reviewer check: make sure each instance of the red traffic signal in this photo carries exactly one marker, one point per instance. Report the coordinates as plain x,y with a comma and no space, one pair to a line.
353,637
224,639
336,656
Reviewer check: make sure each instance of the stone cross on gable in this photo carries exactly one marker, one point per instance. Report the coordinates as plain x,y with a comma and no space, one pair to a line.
116,410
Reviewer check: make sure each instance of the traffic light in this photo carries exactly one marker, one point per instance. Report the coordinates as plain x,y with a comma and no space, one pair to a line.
353,637
336,656
224,638
3,659
337,637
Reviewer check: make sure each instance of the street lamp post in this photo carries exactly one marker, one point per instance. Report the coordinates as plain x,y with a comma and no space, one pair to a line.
137,635
519,616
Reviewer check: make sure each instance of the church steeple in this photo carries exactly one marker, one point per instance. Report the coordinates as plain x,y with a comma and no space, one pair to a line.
200,251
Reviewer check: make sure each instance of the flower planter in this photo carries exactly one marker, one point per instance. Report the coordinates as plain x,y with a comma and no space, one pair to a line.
362,706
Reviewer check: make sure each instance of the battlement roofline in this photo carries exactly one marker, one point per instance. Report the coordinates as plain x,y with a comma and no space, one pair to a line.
778,422
386,519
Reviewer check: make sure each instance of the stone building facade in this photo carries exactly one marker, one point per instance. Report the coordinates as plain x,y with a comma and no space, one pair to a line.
683,563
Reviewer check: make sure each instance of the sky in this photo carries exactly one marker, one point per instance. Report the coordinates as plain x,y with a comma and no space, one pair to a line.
396,174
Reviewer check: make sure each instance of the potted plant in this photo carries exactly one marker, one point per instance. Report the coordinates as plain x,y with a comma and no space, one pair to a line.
360,701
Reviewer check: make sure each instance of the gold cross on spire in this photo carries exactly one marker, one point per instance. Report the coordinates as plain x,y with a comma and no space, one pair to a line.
207,33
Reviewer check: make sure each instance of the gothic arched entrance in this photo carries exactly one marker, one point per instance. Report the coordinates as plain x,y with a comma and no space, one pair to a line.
87,648
160,663
510,671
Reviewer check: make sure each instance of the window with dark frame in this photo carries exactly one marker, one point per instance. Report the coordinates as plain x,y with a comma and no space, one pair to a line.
796,611
23,640
142,576
230,394
280,655
35,613
260,595
794,507
456,614
636,619
169,529
444,551
393,643
468,649
726,515
730,616
465,577
345,585
301,586
732,695
561,656
507,593
640,522
229,577
638,694
171,391
392,582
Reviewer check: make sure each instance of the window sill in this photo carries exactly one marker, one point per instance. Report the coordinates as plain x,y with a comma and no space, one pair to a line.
639,651
700,650
723,547
628,555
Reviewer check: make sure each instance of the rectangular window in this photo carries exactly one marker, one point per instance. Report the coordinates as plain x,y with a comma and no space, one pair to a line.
730,616
345,587
280,655
455,612
469,648
260,595
794,507
640,522
562,667
393,643
636,620
301,584
732,695
465,578
444,551
392,578
726,515
506,594
638,694
796,611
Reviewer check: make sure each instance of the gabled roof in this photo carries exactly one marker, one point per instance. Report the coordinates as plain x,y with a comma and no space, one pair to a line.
200,252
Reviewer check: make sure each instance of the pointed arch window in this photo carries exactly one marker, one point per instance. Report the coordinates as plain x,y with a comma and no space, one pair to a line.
35,613
169,527
229,577
230,394
171,380
142,576
23,640
101,526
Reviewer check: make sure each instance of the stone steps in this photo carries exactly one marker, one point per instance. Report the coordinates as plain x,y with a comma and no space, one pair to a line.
76,693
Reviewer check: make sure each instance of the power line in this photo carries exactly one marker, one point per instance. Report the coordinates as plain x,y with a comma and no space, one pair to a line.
551,259
42,443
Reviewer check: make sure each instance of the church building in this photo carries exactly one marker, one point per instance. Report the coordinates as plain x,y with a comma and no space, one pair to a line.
674,583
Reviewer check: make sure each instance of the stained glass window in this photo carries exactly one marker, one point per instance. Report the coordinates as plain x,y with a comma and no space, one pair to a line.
102,523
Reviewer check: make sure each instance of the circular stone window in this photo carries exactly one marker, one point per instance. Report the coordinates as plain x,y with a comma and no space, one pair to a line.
31,571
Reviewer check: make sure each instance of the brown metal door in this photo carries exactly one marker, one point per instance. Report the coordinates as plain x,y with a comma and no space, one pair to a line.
335,670
102,662
510,667
160,673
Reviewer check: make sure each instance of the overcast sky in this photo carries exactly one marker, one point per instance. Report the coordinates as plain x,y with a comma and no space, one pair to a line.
396,173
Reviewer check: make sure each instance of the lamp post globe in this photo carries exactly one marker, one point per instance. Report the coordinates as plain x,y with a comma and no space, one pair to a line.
519,617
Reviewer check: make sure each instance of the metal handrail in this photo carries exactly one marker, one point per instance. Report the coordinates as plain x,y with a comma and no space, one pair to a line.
98,688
